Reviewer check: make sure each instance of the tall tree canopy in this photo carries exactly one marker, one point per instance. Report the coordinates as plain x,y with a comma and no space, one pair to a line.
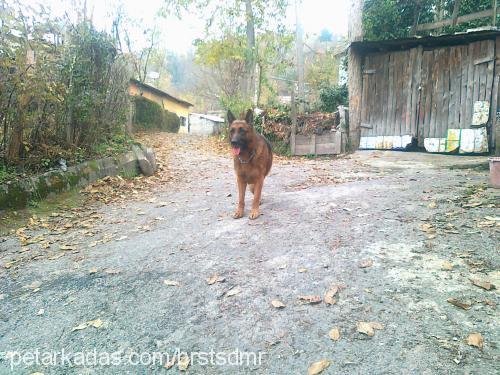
241,41
392,19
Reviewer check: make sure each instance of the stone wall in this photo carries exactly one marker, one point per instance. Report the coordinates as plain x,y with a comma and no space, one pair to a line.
17,194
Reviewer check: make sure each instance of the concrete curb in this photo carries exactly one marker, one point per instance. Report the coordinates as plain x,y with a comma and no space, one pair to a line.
17,194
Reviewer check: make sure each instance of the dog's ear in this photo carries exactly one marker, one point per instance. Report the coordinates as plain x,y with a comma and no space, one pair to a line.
249,117
230,117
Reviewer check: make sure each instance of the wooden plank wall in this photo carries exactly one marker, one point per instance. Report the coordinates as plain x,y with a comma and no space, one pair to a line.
324,144
424,93
390,93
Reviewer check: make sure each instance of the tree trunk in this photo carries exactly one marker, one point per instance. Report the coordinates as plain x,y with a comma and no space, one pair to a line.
300,59
251,61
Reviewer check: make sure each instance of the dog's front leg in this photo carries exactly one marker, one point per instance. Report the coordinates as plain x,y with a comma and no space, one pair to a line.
254,213
242,187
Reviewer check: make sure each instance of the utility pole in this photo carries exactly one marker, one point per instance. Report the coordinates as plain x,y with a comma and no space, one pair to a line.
299,42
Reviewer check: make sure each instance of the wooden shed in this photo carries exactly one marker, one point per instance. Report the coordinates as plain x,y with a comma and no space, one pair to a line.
439,93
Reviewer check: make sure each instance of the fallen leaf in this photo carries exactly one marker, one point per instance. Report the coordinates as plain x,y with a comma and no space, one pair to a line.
215,278
93,270
310,299
376,325
80,327
483,284
171,282
302,270
447,266
40,312
368,327
432,204
365,263
233,292
329,300
318,367
183,362
170,363
334,334
475,339
458,303
67,247
95,323
278,304
426,227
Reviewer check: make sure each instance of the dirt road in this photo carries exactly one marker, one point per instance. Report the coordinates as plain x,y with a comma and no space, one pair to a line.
394,234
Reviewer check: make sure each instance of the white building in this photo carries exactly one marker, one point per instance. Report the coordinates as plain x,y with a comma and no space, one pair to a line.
202,124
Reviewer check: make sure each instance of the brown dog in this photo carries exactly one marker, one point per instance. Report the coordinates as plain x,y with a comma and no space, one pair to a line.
253,159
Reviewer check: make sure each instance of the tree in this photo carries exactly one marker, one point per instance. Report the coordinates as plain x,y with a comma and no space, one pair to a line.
391,19
232,19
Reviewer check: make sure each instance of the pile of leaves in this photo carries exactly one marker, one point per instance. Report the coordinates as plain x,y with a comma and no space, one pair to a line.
276,124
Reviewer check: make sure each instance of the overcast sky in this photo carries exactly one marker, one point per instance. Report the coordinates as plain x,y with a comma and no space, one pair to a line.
178,35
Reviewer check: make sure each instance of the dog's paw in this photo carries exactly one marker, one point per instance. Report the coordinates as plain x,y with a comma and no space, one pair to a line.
254,214
238,213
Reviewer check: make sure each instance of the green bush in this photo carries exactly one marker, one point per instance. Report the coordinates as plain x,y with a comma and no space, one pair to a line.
332,96
150,115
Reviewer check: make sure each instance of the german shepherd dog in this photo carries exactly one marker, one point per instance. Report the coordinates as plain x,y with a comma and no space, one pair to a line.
253,159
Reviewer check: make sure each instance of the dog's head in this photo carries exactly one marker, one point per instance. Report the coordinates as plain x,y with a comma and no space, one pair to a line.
240,131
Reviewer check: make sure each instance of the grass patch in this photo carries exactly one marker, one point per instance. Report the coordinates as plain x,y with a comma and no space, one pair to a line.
7,173
14,219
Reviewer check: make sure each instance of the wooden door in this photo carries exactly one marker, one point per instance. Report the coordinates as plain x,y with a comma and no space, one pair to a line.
452,80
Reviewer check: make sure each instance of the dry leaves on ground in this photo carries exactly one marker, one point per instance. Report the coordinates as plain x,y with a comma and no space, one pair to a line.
97,323
365,263
278,304
171,283
183,362
368,328
329,300
466,305
309,299
475,339
215,278
446,266
483,284
318,367
334,334
234,291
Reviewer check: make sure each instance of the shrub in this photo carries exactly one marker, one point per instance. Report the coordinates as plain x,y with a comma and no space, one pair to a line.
150,115
332,96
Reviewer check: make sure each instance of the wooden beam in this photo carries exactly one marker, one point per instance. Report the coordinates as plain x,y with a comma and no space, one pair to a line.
484,60
461,19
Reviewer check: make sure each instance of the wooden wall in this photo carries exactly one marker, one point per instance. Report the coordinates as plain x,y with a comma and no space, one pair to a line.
424,92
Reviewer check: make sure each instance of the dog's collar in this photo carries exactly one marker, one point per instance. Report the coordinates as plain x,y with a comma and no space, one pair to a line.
249,159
